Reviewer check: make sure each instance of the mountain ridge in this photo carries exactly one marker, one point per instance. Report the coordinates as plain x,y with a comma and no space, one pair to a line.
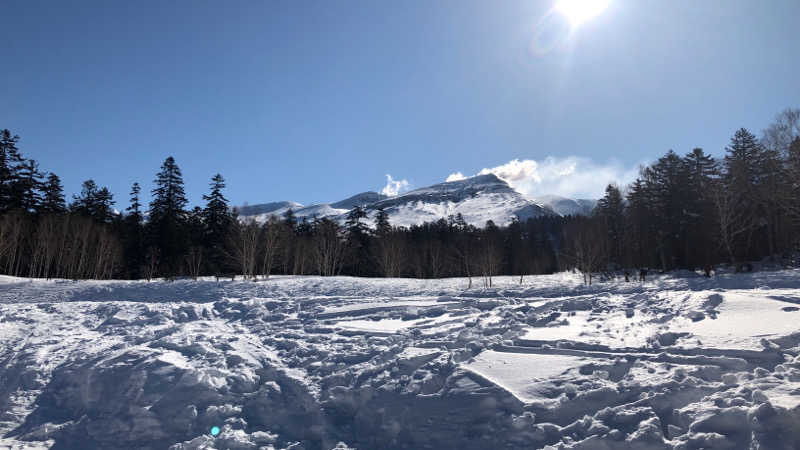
478,199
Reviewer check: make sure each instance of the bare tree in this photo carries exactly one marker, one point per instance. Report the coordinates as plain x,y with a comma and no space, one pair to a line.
243,246
464,252
390,252
789,197
780,134
12,245
490,256
328,247
194,261
271,238
79,250
44,246
732,221
436,257
585,247
151,263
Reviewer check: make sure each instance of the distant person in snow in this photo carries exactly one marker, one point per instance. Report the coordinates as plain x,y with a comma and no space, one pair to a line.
627,276
707,270
642,274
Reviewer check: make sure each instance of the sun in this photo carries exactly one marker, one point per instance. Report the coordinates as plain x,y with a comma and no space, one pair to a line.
579,11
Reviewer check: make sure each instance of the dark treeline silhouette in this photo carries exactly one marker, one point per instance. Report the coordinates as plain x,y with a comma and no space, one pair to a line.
682,212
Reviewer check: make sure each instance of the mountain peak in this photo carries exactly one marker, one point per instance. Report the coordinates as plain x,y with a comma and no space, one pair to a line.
272,208
361,199
478,199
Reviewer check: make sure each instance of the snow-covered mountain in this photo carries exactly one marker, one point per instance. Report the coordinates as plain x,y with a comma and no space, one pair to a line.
362,199
478,199
261,212
266,209
566,206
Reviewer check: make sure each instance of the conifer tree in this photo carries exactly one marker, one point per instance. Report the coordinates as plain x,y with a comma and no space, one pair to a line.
702,171
133,235
10,159
610,210
357,240
354,224
135,209
104,203
290,219
640,222
790,195
93,202
167,217
85,202
53,195
382,226
741,181
217,219
26,187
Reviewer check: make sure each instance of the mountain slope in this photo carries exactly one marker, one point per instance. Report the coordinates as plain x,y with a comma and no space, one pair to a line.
362,199
478,199
266,209
567,206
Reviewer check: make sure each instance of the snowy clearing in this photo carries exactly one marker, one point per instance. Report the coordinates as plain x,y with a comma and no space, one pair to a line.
680,362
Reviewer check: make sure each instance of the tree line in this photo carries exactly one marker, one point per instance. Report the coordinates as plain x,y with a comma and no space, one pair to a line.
682,212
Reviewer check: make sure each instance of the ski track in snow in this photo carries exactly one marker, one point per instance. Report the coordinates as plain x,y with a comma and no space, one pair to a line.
679,362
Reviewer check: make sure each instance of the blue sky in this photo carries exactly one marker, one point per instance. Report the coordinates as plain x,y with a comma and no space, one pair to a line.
316,100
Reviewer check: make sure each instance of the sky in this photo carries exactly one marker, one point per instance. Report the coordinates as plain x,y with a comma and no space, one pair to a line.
313,101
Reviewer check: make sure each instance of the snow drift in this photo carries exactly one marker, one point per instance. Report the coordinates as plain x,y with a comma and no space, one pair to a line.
320,363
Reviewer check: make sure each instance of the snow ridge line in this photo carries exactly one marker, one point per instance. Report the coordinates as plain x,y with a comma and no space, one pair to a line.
731,359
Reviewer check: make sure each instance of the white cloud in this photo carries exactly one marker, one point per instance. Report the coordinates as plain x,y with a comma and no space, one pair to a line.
571,176
455,176
516,171
394,187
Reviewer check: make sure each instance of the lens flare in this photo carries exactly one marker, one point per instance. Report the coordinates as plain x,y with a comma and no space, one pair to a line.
579,11
552,32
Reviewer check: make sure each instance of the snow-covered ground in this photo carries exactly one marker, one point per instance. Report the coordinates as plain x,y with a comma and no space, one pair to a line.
314,363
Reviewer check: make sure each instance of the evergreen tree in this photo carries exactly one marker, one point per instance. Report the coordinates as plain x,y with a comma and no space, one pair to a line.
790,195
666,180
460,222
741,181
357,241
104,206
702,171
610,210
85,203
217,219
133,235
135,209
290,219
169,198
10,160
53,195
27,186
93,202
354,223
382,226
168,218
641,224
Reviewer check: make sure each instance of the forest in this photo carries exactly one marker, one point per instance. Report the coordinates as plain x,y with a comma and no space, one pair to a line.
690,211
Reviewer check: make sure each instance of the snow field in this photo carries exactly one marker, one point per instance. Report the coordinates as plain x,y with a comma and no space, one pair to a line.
680,362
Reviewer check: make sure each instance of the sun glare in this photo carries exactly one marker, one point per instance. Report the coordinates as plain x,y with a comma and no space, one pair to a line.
579,11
